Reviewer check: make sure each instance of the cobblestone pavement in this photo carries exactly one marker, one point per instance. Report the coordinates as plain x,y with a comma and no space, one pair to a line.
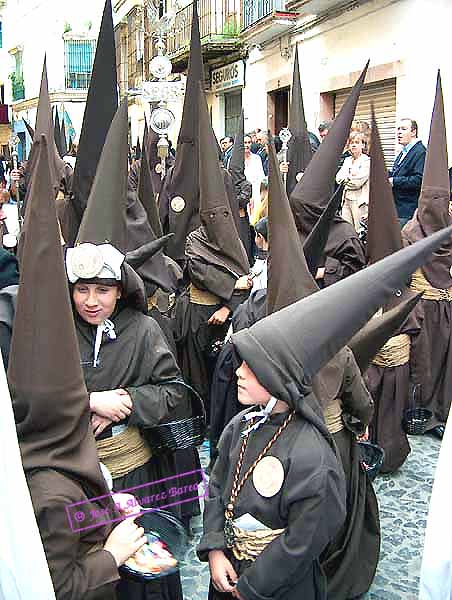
403,499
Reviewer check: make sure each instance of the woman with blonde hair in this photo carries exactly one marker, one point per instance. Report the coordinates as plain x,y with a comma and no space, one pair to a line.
354,173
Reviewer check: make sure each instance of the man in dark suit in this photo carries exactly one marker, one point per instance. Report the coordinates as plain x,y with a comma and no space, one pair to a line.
406,174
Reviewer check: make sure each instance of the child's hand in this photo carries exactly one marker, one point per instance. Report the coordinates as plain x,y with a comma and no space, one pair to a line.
222,572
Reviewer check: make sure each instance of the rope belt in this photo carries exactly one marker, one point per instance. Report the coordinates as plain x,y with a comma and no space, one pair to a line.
249,544
395,352
161,301
203,297
420,284
124,452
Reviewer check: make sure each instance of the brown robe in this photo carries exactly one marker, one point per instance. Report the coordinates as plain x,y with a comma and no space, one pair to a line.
79,569
351,559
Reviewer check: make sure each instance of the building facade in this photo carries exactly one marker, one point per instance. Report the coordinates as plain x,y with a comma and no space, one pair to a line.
248,49
66,33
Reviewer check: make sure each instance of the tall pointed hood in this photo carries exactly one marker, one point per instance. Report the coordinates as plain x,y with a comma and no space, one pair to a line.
44,126
289,279
366,344
433,208
49,395
183,189
57,133
215,211
146,193
299,151
138,150
286,349
237,163
31,131
383,227
311,194
104,218
314,245
64,146
101,105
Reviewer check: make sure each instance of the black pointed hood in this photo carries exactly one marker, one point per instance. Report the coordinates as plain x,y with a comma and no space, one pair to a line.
146,193
366,344
50,399
383,227
57,133
286,349
237,163
215,212
289,279
183,189
31,131
299,151
101,106
104,218
138,150
311,194
64,146
137,258
314,245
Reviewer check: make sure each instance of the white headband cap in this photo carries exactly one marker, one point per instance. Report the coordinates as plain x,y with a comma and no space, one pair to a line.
88,261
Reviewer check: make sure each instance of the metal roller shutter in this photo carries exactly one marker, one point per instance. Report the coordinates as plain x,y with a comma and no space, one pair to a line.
383,96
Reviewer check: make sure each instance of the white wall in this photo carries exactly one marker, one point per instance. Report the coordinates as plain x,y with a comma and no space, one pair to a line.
415,33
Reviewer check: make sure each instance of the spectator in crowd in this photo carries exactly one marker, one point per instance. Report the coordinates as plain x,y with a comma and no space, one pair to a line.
254,173
226,144
324,128
407,171
262,138
354,173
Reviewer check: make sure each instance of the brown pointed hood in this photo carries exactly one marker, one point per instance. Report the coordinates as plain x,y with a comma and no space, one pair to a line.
100,108
383,227
289,279
146,193
299,152
50,399
315,244
215,212
138,150
288,348
183,188
104,218
433,209
311,194
137,258
366,344
44,126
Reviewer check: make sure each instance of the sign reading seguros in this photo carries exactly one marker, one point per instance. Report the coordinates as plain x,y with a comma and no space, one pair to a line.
229,76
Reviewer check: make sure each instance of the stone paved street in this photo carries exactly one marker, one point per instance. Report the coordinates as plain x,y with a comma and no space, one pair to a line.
403,499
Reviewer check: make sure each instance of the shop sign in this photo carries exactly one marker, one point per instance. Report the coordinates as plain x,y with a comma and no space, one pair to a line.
229,76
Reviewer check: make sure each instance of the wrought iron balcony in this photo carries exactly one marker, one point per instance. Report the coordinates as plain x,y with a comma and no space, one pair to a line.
219,26
18,90
255,10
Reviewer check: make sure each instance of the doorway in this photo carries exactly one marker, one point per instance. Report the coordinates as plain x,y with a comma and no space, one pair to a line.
277,110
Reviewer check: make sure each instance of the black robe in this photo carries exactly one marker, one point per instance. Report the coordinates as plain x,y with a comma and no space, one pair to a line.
139,361
310,506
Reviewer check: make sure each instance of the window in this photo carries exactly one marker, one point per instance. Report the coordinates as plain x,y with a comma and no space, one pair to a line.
78,63
17,78
1,34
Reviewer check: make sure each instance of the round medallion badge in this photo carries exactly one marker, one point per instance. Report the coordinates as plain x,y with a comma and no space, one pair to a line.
87,261
268,476
178,204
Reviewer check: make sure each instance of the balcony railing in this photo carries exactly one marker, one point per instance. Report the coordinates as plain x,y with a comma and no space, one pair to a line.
219,23
255,10
18,90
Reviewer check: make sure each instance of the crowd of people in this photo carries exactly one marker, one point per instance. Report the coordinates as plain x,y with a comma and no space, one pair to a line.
240,282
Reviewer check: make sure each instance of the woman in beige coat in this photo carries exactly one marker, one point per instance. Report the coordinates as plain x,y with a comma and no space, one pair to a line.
355,173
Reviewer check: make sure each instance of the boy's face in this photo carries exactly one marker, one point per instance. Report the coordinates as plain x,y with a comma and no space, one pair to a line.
250,391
